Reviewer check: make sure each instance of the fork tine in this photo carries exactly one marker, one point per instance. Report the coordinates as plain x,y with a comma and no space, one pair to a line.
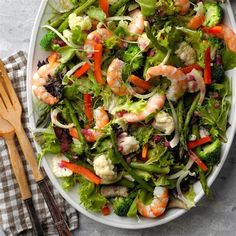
8,85
4,96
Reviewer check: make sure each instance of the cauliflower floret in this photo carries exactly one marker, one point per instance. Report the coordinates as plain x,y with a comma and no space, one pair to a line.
186,53
127,144
83,21
143,42
57,168
67,34
104,168
164,122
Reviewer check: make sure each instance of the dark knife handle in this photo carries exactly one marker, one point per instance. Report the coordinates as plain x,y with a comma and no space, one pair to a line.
60,223
37,227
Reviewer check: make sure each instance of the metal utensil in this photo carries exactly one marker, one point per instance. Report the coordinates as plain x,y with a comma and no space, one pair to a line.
7,133
11,110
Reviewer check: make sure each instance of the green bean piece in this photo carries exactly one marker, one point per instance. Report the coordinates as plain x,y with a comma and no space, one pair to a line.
150,168
77,11
56,23
126,183
121,160
190,114
195,130
77,126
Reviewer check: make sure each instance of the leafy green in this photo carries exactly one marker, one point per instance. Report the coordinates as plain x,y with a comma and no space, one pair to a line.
134,57
119,4
78,37
148,7
76,147
90,197
126,104
143,133
111,42
165,182
190,196
46,41
167,6
96,13
160,156
216,118
229,59
67,53
69,182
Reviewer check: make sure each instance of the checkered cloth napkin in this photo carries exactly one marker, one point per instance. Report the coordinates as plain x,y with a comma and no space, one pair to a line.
14,218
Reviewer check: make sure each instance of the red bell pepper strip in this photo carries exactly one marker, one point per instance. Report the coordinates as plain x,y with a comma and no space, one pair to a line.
197,160
139,82
189,68
82,70
198,142
98,63
80,170
105,210
213,30
207,70
74,133
88,108
104,5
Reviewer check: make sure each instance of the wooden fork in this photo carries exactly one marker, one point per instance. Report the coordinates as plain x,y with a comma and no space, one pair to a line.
11,110
7,133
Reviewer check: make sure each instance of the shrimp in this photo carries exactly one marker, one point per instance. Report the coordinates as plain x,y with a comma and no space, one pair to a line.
114,77
136,26
198,19
176,76
40,78
158,205
156,102
183,6
97,36
228,36
101,120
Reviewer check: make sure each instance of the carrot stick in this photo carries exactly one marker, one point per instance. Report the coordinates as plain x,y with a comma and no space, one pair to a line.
88,108
104,5
145,151
82,70
80,170
98,63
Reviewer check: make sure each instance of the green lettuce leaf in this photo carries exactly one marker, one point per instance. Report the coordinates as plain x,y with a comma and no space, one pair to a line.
90,197
96,13
67,53
143,133
69,182
148,7
229,59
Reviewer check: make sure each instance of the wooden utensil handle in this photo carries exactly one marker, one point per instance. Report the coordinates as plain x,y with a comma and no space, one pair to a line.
60,223
17,167
28,152
36,226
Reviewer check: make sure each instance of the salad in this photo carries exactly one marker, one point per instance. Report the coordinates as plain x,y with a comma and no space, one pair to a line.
133,100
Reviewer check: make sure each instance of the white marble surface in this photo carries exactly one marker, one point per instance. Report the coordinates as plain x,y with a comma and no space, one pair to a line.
211,217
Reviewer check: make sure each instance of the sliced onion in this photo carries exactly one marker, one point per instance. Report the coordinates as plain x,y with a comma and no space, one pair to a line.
180,194
70,44
74,69
141,96
118,18
174,142
201,84
54,120
181,172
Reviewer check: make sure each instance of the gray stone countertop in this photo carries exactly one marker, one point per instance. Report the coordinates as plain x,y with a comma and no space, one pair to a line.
211,217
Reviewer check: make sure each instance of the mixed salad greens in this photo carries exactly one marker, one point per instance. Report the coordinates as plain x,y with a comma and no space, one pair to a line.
133,101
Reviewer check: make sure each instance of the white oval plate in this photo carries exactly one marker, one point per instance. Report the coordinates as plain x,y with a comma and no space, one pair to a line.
35,54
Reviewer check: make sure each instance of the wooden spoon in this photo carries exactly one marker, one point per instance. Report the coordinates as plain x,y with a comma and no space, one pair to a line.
8,133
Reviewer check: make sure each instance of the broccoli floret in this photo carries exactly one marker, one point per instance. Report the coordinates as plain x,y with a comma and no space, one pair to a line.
46,41
121,205
210,154
213,14
134,57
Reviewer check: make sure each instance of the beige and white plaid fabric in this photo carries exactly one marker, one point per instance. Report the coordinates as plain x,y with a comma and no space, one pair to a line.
14,219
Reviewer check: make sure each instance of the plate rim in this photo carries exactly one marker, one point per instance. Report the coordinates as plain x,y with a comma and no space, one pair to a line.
49,173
